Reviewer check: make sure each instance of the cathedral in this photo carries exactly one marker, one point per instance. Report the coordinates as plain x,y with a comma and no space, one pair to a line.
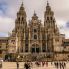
37,41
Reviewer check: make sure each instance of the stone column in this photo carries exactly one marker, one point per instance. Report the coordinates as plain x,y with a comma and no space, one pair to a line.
24,43
29,41
41,39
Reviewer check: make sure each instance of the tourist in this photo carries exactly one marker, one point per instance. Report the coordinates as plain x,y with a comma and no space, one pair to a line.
46,64
57,65
64,65
27,66
51,62
60,65
17,64
43,63
0,64
31,64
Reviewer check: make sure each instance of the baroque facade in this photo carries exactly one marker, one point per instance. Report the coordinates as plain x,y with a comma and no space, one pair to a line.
35,40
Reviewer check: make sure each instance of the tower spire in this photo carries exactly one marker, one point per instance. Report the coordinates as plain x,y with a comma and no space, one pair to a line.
34,16
21,11
34,13
48,6
22,4
47,3
21,7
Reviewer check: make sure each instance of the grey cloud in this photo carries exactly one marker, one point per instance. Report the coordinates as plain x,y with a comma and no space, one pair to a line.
60,8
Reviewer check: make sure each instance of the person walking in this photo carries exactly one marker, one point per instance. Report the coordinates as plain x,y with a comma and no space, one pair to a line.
43,63
60,65
57,65
17,64
46,64
64,65
26,66
0,64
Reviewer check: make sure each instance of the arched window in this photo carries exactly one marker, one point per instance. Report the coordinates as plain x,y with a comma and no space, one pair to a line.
35,30
35,36
26,47
0,52
51,18
47,18
19,18
22,18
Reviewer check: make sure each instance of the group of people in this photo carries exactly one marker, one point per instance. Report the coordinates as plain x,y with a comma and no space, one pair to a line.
61,65
41,63
30,65
27,65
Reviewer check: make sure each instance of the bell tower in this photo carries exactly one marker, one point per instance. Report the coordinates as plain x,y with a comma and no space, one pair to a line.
49,26
20,27
20,22
49,20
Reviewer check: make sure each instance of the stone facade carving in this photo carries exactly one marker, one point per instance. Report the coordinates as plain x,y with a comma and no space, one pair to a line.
34,39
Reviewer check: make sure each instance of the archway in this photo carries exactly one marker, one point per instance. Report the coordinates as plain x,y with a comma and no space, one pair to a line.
35,48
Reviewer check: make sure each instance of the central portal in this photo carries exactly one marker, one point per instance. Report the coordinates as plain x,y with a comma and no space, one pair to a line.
35,48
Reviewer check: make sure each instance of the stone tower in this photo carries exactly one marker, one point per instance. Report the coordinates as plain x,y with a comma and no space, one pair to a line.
35,34
49,26
34,41
20,28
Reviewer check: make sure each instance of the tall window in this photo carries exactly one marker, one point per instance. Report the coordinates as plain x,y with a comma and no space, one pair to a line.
26,47
19,18
43,47
35,30
0,52
47,18
0,46
51,18
22,18
35,36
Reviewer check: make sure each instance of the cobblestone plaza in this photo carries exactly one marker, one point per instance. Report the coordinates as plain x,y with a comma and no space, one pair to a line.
12,65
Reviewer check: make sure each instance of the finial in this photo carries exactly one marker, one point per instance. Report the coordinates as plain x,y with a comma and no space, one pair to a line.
22,4
22,8
34,12
35,16
47,3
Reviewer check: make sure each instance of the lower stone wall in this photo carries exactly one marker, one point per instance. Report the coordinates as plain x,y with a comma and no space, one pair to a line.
61,56
36,57
41,57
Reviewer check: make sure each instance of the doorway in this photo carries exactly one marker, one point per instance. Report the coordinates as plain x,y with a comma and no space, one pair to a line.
35,48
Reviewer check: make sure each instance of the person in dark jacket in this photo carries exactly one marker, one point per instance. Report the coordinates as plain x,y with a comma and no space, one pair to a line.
0,64
17,64
26,66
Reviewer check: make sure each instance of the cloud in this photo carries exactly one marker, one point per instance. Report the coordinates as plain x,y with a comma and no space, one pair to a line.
2,34
67,25
3,8
9,9
6,24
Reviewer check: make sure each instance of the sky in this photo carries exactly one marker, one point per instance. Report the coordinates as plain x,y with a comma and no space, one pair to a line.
9,9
